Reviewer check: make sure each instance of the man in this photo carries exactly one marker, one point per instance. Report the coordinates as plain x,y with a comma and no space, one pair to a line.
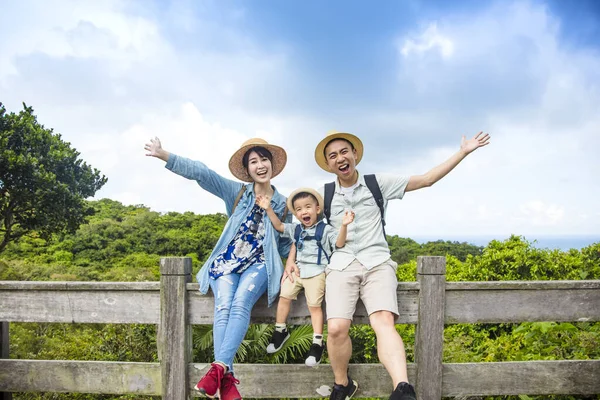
363,268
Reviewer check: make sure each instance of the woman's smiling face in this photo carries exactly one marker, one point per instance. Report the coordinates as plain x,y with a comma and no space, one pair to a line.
259,167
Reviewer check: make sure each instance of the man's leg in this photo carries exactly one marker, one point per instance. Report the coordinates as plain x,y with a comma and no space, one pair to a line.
390,347
339,348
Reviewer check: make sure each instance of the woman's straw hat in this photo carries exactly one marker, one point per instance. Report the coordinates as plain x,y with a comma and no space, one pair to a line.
237,168
332,135
319,198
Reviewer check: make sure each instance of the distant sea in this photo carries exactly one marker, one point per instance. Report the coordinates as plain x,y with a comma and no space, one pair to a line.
564,243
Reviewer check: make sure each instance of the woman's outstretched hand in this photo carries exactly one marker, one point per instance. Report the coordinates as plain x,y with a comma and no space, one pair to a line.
154,149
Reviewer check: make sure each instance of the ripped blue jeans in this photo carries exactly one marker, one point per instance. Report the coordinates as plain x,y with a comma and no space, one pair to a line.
235,295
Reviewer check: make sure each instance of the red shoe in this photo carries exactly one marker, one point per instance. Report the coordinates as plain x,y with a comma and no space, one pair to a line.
228,389
211,382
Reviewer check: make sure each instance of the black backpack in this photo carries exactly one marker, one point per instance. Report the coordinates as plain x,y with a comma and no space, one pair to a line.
318,236
373,186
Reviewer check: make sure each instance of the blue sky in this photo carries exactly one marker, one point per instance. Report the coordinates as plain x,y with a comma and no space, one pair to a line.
408,77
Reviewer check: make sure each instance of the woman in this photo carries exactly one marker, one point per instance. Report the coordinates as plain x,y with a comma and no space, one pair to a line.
245,261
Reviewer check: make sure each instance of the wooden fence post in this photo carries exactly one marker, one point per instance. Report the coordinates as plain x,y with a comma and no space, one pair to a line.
174,334
429,339
4,352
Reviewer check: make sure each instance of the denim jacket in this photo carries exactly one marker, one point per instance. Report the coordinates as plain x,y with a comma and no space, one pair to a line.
228,190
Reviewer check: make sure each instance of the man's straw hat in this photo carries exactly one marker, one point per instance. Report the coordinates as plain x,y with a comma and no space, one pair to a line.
237,168
332,135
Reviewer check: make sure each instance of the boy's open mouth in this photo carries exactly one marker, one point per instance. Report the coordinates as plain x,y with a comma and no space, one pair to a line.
306,219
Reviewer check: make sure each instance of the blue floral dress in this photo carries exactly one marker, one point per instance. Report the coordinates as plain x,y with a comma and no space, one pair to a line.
245,249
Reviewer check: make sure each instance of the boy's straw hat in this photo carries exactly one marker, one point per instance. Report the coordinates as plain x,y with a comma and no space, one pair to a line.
319,198
332,135
237,168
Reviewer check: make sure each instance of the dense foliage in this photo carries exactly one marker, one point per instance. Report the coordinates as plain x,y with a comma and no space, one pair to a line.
124,243
43,183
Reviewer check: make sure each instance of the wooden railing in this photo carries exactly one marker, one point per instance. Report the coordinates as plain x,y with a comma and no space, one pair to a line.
174,304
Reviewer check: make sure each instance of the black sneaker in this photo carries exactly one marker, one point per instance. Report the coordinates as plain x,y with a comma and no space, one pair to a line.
404,391
314,355
340,392
277,340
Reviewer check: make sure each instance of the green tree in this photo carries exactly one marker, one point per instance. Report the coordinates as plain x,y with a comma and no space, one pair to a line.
43,182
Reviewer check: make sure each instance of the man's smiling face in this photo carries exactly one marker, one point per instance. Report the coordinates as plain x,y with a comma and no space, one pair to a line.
341,158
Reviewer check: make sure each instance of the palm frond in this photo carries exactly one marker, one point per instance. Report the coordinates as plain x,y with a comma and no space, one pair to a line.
296,346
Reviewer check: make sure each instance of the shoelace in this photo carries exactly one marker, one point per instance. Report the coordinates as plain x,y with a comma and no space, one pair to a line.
218,372
229,381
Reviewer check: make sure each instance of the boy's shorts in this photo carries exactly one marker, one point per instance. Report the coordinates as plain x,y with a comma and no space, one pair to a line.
377,288
314,289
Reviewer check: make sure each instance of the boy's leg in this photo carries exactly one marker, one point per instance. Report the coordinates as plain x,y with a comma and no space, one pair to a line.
314,290
283,310
316,319
379,295
289,291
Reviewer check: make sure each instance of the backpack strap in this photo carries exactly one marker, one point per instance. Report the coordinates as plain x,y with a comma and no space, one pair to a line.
329,190
371,182
237,198
318,237
297,233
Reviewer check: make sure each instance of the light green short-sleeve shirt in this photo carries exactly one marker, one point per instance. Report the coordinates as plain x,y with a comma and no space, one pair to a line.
307,257
365,241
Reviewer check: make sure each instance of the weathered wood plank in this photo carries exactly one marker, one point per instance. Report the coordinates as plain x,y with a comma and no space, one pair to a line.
273,381
77,285
429,339
175,336
201,308
531,377
523,285
496,306
80,306
518,302
267,381
80,377
4,352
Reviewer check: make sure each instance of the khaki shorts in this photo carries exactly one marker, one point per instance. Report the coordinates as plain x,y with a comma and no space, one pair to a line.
314,289
375,287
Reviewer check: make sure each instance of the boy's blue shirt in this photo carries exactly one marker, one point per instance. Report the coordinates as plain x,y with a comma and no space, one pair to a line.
227,189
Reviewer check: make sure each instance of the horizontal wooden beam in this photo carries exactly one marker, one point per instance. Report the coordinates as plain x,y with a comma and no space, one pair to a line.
138,302
80,306
513,378
296,380
522,305
80,377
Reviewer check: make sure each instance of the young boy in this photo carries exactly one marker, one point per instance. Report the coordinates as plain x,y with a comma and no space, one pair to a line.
312,256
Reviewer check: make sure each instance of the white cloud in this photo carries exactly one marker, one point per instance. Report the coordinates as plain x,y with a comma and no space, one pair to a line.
430,39
540,214
508,75
109,75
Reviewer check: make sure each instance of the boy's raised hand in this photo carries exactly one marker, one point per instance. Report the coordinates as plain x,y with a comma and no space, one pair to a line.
263,202
348,218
